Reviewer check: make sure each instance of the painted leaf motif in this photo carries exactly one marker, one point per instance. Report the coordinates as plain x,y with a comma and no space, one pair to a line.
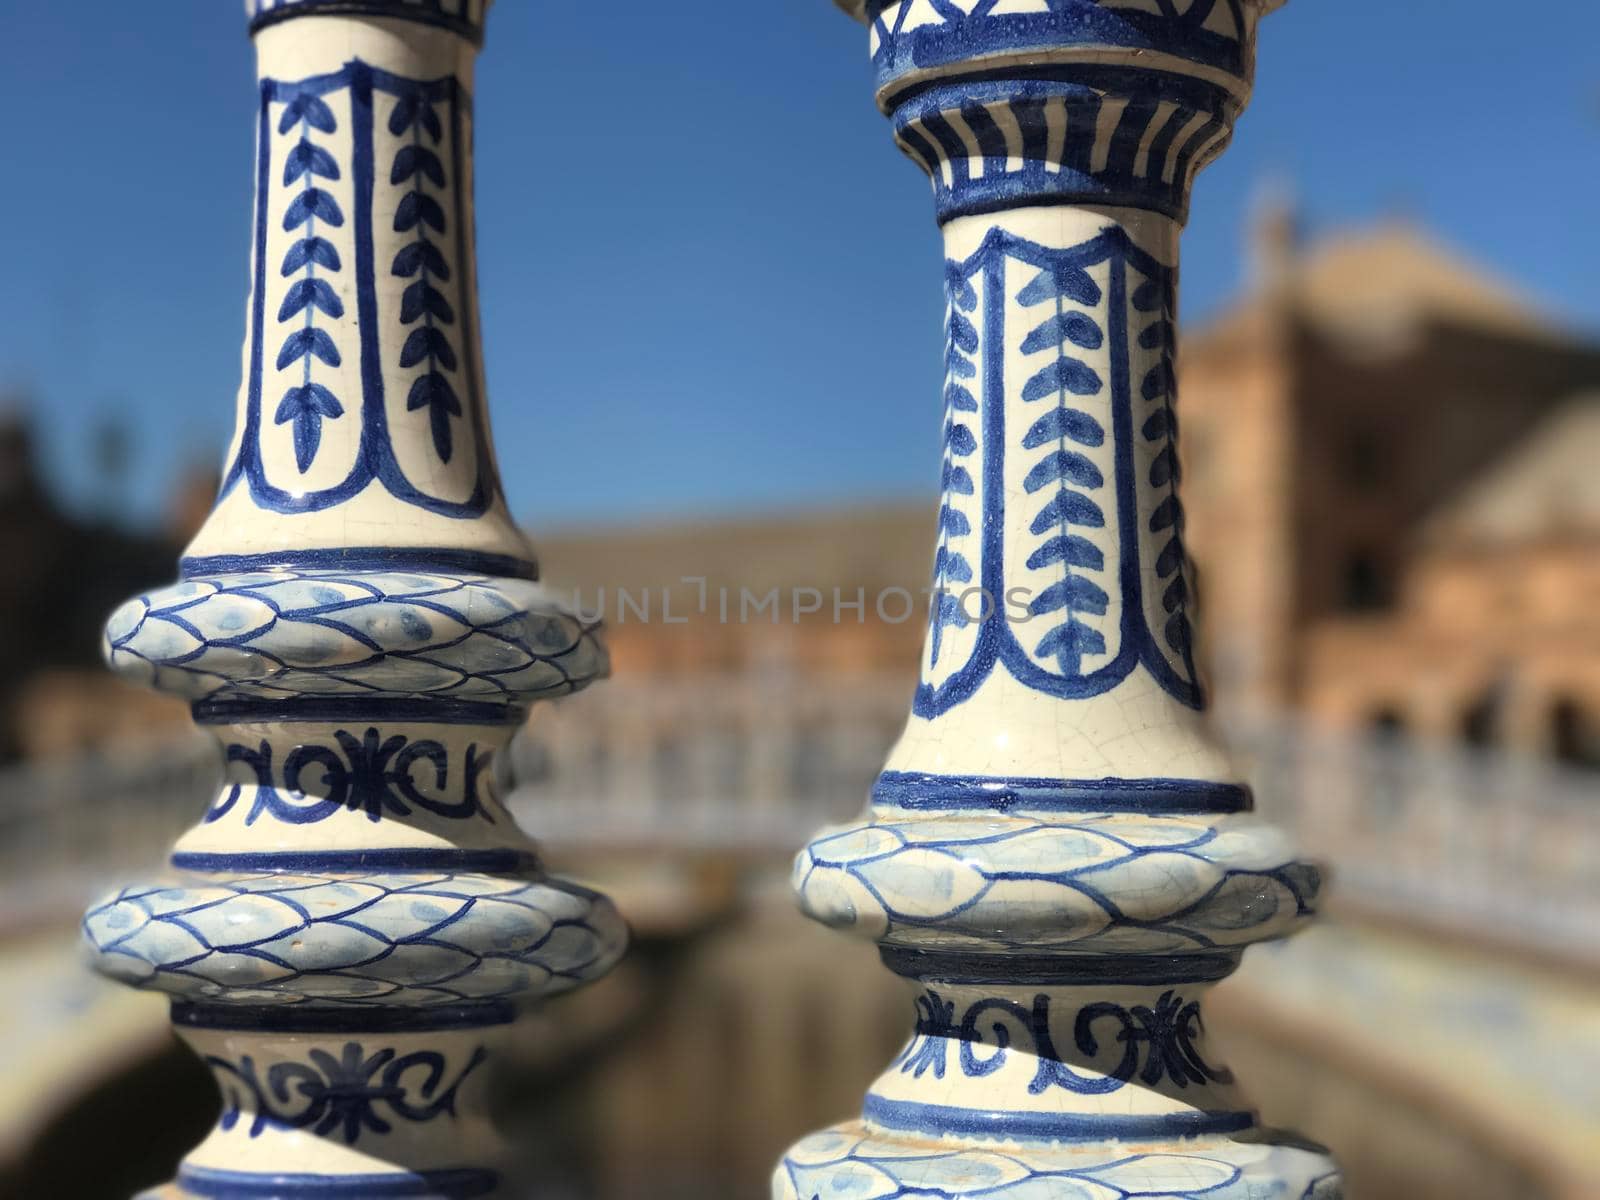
1070,549
313,110
1167,515
433,391
310,293
1075,592
963,334
414,110
1068,508
1176,593
952,566
1157,381
1065,282
959,288
306,406
959,398
1065,465
421,256
423,297
957,480
1065,374
1066,327
1148,296
1159,427
1067,423
430,343
308,341
313,202
309,397
412,161
1164,468
1179,634
415,207
953,522
309,158
1068,644
311,250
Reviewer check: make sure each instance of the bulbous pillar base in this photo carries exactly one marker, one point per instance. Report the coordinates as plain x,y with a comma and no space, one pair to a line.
856,1159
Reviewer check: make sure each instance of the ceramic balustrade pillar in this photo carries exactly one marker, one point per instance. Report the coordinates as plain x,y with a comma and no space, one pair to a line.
356,920
1057,858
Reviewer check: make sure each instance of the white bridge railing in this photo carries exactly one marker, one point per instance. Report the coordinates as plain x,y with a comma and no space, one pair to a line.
71,826
1487,845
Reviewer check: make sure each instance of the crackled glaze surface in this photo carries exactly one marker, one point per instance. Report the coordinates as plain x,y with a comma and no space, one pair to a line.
356,940
853,1162
295,631
1058,858
1104,882
353,921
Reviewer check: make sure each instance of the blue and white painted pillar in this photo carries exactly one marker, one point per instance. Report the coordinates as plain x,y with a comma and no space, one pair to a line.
1057,858
355,921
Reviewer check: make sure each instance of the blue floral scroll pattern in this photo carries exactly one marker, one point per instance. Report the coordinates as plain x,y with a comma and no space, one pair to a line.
306,404
952,570
428,345
388,939
1084,524
1155,1042
371,774
851,1161
347,1096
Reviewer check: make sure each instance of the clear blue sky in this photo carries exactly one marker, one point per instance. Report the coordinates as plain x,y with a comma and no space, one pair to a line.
719,168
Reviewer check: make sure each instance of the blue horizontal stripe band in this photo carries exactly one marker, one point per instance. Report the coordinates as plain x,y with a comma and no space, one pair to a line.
1077,81
1064,970
398,859
976,198
911,790
952,46
350,1018
364,709
423,560
287,11
937,1120
458,1184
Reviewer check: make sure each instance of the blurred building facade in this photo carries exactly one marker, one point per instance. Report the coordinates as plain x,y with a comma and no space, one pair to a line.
1390,467
1388,455
64,574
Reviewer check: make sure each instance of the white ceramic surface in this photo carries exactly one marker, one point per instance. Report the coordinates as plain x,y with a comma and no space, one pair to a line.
355,920
1058,858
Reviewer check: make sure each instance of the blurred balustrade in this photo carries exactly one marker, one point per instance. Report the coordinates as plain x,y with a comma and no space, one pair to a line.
1490,844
